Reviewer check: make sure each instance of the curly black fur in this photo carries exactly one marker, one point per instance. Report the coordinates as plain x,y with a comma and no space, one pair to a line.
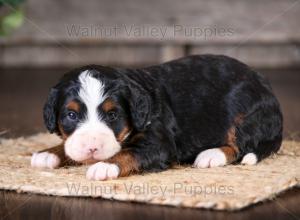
180,108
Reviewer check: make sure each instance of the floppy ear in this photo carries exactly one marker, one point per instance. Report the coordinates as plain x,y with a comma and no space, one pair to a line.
140,107
50,111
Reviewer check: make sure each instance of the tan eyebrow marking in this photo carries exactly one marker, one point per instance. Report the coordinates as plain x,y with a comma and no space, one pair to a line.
72,105
108,105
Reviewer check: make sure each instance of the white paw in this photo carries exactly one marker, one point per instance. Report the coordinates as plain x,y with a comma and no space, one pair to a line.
45,160
210,158
102,171
249,159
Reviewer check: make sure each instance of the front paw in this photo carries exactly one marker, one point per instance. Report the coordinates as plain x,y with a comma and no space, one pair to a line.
45,160
102,171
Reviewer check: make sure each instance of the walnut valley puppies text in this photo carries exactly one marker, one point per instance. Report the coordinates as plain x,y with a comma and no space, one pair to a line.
144,31
148,189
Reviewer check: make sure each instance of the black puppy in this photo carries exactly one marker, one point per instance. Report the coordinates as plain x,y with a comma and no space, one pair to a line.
205,110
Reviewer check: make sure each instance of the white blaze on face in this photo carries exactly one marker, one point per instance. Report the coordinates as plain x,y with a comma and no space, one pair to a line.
92,139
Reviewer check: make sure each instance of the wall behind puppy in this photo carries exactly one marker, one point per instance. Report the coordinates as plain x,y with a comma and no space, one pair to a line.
139,32
61,34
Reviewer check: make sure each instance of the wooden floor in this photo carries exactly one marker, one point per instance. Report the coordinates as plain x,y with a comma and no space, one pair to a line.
23,206
22,94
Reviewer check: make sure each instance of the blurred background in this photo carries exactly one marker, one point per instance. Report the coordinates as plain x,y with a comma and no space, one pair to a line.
40,40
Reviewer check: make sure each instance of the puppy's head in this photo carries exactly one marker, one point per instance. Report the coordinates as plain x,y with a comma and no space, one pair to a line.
95,110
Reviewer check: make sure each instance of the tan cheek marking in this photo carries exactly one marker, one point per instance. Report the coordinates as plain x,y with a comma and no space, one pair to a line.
61,130
126,161
108,105
72,105
122,135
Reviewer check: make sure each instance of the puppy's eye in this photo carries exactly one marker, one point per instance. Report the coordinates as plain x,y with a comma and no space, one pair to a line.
72,115
112,116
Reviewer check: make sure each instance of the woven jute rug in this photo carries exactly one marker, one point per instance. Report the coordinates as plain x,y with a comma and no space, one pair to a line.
224,188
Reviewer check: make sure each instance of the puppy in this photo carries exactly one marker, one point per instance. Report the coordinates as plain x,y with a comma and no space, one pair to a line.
205,110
